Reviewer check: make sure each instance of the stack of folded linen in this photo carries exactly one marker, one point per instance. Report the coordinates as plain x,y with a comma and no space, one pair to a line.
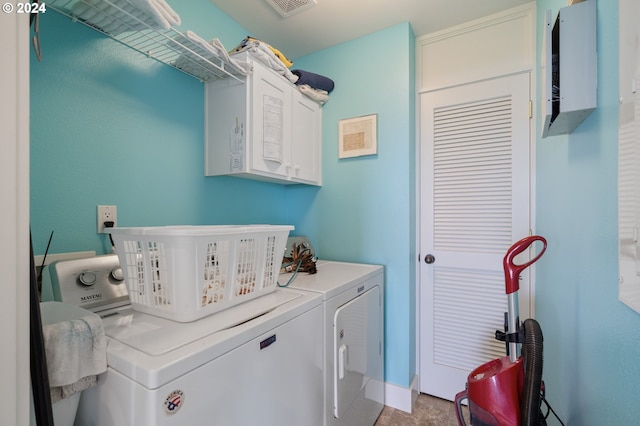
268,55
196,54
316,81
315,86
115,17
318,95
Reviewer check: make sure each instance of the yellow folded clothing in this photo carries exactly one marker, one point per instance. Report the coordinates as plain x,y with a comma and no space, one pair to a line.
248,40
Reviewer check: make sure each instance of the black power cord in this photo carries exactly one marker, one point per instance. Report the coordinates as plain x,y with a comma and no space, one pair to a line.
109,224
549,409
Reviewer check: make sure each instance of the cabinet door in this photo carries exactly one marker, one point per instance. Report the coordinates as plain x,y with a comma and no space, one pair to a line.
306,141
225,127
271,123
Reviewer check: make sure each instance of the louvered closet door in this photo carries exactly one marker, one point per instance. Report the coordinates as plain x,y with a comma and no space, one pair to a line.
475,190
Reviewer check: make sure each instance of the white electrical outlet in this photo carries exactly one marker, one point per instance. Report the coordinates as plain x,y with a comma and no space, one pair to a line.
107,214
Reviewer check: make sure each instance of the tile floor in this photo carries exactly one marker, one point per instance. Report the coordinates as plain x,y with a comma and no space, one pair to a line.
428,411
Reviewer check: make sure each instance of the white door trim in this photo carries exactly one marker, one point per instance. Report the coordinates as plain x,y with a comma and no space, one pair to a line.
509,63
14,216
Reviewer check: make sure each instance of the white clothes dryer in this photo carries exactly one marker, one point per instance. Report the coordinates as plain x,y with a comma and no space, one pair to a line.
353,315
259,362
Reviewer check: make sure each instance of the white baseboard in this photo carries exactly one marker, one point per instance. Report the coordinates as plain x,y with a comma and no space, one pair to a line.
401,398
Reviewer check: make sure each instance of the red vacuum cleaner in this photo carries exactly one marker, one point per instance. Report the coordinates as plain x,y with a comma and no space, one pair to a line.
508,391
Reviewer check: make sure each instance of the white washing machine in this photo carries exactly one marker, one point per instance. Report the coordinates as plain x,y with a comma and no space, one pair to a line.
259,362
353,306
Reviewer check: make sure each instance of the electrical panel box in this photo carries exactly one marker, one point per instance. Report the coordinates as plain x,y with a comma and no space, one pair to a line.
570,74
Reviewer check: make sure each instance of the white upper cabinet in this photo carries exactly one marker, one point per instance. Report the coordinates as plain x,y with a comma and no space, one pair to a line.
306,150
262,129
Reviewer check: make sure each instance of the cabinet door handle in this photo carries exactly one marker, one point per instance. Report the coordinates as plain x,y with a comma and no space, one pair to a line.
429,259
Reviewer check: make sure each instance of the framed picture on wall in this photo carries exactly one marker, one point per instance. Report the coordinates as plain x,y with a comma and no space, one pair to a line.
358,136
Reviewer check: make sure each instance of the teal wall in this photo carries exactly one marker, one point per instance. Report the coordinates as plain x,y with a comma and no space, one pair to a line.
364,211
110,126
592,340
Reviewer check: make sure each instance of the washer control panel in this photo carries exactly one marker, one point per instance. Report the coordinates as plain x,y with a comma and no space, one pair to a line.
94,283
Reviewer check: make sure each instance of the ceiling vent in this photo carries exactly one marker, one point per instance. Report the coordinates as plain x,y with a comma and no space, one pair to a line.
287,8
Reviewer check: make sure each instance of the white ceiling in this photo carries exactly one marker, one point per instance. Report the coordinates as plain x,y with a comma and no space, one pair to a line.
332,22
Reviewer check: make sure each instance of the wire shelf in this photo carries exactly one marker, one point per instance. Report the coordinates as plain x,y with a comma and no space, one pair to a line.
169,47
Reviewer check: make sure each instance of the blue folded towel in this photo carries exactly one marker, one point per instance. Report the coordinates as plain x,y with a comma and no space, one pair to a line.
314,80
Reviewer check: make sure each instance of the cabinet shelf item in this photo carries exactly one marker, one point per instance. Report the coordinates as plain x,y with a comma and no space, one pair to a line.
165,46
570,75
263,129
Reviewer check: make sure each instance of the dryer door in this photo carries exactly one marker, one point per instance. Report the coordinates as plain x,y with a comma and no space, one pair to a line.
357,348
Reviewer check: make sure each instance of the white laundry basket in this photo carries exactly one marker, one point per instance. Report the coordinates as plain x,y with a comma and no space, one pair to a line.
183,273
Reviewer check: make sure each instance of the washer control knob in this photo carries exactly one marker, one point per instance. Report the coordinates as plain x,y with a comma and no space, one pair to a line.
87,278
117,274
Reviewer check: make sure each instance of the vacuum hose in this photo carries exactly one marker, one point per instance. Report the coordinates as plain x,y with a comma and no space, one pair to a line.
530,414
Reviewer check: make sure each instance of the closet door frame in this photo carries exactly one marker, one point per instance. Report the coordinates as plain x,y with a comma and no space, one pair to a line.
14,187
495,46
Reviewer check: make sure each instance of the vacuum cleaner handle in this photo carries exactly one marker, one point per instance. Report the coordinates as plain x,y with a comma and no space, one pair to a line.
460,396
511,270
